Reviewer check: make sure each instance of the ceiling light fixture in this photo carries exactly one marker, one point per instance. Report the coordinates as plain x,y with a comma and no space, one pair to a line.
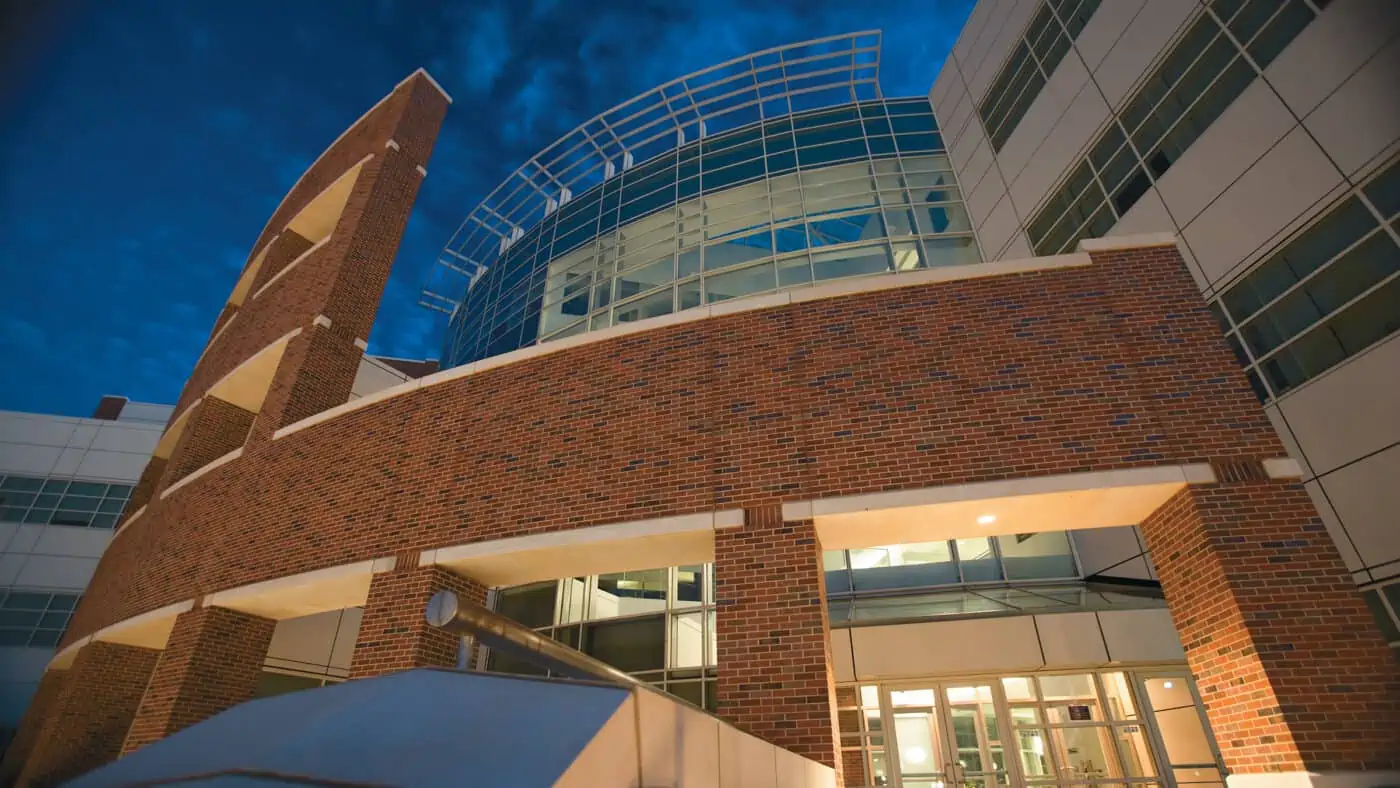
1166,685
986,519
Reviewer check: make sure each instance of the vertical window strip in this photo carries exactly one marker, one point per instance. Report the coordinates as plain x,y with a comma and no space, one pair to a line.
1325,295
1037,53
1207,68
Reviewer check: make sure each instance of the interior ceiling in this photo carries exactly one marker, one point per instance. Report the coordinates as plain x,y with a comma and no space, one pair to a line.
1014,514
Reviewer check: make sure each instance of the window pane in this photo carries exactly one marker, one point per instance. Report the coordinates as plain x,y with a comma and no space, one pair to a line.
629,593
21,484
1389,629
1384,192
690,585
654,305
688,640
532,606
1041,555
977,560
851,262
741,282
838,578
631,645
1086,753
903,566
950,251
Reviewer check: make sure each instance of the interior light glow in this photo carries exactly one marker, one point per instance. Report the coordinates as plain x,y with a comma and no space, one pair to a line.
916,755
1166,685
986,519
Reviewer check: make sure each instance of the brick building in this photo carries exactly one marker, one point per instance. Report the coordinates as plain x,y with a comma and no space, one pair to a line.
741,404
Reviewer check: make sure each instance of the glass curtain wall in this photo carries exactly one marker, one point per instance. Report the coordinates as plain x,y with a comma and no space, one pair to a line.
1047,555
859,189
657,624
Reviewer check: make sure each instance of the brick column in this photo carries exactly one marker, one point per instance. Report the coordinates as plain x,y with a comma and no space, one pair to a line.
286,247
394,632
316,373
1293,672
92,713
214,429
211,662
44,702
775,676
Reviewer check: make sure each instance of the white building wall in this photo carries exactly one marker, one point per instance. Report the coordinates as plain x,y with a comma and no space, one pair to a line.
1324,116
60,558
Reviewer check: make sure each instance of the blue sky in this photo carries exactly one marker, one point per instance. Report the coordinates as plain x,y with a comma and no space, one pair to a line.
144,144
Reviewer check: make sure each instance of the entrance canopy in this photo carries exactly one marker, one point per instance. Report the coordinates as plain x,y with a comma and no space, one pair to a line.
440,727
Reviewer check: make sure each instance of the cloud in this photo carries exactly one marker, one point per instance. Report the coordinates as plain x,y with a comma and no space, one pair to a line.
483,46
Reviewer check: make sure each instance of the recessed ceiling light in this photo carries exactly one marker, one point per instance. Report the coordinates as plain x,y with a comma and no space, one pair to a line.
986,519
1166,685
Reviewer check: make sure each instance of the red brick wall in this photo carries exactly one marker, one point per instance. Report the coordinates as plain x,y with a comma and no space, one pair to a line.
1097,367
91,716
44,702
146,485
1290,665
285,248
394,632
316,373
214,429
210,663
775,678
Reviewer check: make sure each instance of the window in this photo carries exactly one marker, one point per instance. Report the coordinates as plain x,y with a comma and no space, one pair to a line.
1208,67
649,241
1325,295
1042,46
1040,556
658,624
34,618
25,499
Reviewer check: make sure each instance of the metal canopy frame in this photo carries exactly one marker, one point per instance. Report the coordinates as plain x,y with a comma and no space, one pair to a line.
806,75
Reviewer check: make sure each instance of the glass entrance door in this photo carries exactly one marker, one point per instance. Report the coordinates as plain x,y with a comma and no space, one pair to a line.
950,735
1183,740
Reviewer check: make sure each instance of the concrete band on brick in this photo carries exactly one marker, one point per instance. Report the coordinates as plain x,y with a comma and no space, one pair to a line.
1039,373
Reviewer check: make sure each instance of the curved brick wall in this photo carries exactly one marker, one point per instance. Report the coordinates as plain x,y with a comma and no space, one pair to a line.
409,116
1020,375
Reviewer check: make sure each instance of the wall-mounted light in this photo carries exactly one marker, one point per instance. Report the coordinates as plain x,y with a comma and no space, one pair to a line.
986,519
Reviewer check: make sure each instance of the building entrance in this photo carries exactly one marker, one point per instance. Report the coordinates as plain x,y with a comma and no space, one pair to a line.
1143,728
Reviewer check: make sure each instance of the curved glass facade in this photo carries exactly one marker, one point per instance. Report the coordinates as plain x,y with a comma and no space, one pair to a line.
858,189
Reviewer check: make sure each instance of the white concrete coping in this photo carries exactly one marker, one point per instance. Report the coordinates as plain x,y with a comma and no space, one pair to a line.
321,320
1137,241
303,594
166,444
615,547
362,345
1032,485
289,266
1283,468
431,81
148,630
128,521
422,171
834,289
392,144
67,654
198,472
